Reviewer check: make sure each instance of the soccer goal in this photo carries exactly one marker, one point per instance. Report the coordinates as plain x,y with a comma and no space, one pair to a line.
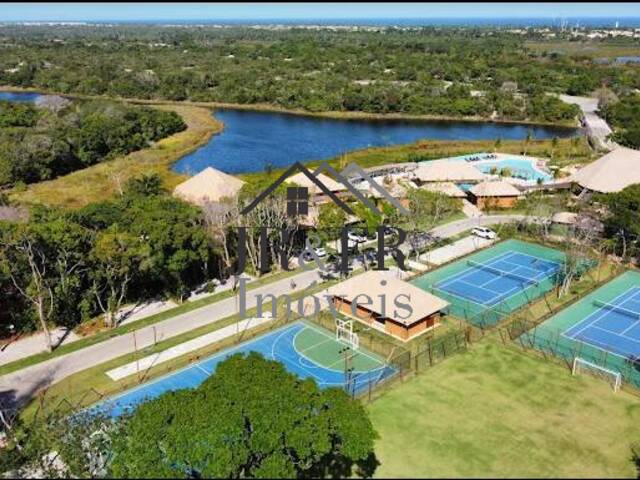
345,333
580,365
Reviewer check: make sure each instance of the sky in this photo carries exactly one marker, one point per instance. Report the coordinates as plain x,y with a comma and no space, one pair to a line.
300,11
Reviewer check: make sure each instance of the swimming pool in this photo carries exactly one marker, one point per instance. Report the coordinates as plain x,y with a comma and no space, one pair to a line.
521,167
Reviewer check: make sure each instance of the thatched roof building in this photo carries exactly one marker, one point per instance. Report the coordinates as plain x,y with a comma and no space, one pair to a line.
448,171
210,185
611,173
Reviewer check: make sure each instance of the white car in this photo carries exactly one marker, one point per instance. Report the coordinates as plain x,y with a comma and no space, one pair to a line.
356,238
319,251
484,232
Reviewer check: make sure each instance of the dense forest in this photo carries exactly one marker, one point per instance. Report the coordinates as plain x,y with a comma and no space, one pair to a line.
58,137
624,116
452,72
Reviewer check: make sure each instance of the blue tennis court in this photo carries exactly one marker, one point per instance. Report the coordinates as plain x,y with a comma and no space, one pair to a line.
305,350
495,280
614,326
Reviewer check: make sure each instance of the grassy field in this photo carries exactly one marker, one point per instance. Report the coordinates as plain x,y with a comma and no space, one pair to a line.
495,412
102,181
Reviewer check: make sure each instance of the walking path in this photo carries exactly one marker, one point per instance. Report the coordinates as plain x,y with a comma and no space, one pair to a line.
19,386
202,341
459,248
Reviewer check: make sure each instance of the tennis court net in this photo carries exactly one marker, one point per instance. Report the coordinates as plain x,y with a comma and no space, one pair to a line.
503,273
617,309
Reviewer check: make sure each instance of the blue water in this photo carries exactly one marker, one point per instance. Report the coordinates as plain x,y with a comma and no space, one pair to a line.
520,167
277,345
251,141
19,96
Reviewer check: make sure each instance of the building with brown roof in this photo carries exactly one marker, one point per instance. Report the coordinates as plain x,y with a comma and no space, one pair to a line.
376,300
494,194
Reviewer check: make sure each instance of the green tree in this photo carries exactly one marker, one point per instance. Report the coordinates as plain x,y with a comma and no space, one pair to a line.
145,185
250,419
331,219
58,445
117,258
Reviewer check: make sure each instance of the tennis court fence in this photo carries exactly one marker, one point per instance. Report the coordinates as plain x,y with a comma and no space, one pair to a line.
531,335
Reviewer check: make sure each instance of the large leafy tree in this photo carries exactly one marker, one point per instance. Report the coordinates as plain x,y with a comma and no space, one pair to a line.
251,419
118,257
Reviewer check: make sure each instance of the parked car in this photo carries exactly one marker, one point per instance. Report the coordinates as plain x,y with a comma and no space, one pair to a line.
319,251
355,237
484,232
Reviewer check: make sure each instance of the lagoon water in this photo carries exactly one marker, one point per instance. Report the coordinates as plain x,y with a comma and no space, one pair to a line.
252,141
19,96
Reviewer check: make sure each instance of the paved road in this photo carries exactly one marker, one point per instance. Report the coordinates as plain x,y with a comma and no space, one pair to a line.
454,228
596,126
19,386
23,384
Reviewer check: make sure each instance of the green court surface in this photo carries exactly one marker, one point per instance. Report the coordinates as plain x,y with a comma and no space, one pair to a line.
484,298
606,336
322,348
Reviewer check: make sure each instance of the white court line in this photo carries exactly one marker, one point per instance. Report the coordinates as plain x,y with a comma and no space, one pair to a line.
636,320
599,314
595,327
187,367
205,371
312,346
330,337
469,270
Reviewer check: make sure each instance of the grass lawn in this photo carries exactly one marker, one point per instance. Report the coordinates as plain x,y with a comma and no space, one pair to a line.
495,411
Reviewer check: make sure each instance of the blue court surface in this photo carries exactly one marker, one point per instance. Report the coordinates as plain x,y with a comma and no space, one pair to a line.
495,280
614,326
278,345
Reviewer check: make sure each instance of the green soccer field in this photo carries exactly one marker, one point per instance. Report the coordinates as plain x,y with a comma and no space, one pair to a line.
496,412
